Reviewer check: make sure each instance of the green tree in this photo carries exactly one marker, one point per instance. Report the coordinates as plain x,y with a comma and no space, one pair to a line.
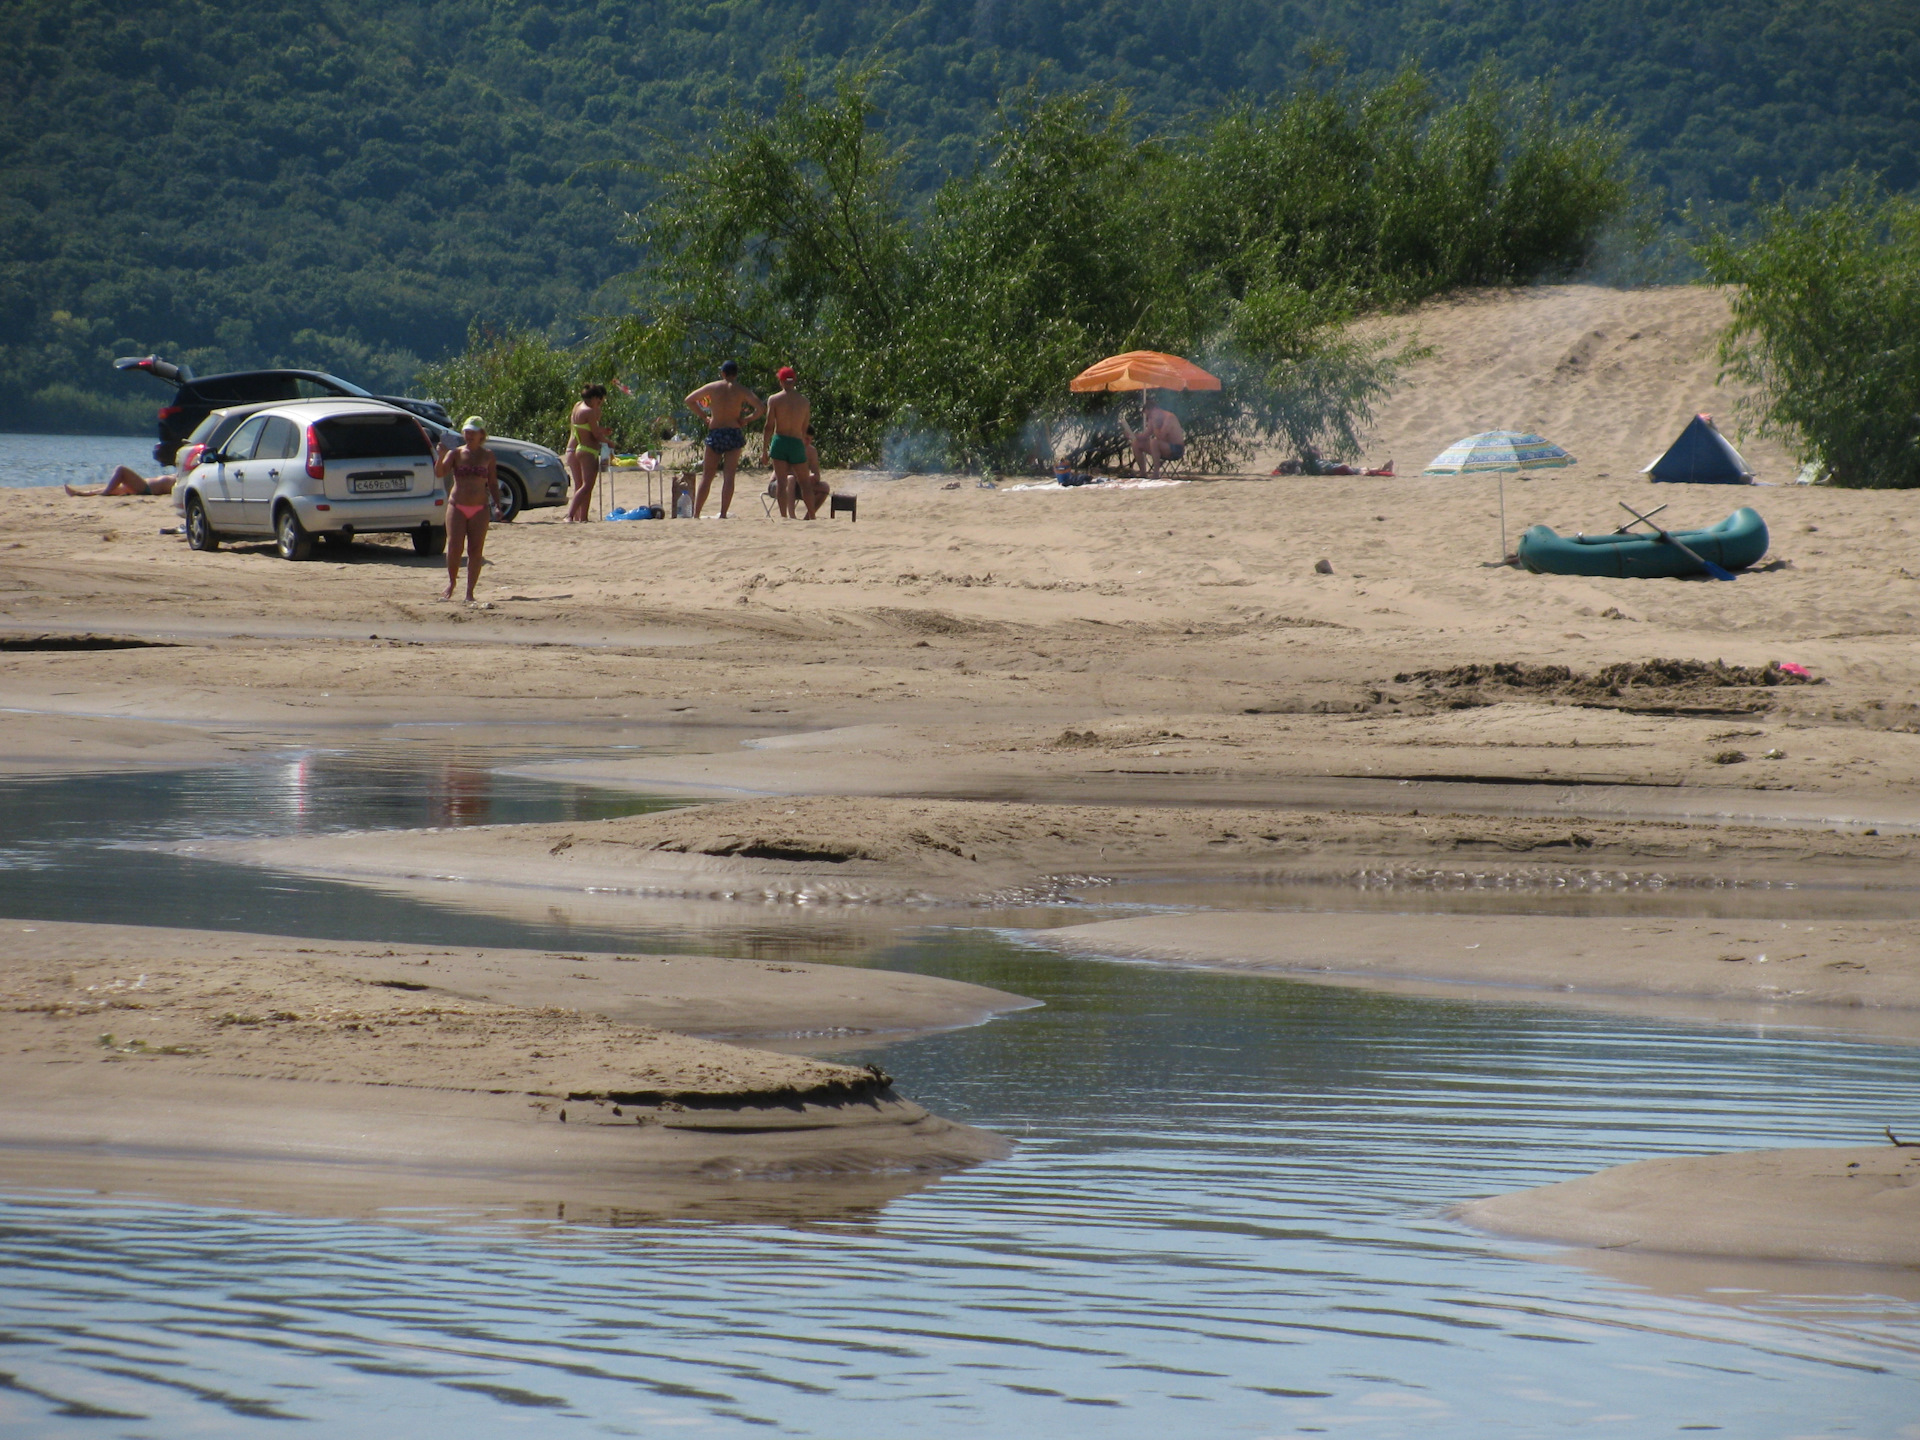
1826,328
1392,194
777,242
957,327
349,186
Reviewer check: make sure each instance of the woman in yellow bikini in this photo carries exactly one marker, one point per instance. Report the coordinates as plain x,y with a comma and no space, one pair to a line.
472,494
585,437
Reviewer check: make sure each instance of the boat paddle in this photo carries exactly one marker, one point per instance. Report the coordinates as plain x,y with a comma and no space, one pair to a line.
1648,517
1705,564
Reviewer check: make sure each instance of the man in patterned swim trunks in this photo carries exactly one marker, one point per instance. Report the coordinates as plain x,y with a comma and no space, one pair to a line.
727,406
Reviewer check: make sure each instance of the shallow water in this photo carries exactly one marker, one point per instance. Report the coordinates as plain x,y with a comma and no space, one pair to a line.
83,461
1522,889
1224,1217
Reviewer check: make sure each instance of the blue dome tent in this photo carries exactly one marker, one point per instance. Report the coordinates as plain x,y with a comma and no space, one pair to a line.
1702,456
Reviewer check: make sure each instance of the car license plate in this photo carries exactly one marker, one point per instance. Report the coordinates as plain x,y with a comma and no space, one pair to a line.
379,486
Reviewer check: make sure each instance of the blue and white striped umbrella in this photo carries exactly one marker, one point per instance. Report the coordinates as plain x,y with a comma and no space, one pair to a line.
1498,451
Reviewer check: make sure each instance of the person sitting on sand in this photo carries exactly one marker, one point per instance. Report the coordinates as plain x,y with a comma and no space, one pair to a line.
472,497
1160,439
785,439
728,407
128,481
814,491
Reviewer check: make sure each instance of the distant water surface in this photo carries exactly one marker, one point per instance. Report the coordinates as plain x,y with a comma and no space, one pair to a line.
83,461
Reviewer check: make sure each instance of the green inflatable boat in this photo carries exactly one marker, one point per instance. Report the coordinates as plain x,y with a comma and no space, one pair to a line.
1735,543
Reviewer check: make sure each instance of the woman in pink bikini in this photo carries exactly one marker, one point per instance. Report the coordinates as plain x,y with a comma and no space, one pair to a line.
472,494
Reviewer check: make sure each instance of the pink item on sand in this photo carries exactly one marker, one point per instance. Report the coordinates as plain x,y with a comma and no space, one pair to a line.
1800,670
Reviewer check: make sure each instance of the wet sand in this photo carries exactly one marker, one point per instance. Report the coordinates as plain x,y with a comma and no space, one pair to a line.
1859,1205
135,1049
1857,975
1860,977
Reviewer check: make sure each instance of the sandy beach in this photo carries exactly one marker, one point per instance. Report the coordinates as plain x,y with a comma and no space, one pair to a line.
971,692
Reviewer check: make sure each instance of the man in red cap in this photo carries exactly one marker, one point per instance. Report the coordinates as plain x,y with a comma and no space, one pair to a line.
785,439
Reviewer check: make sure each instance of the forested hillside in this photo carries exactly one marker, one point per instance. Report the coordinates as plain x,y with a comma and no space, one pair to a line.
350,186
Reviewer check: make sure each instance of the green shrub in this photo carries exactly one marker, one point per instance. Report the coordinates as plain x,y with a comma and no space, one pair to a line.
1393,195
1826,328
525,387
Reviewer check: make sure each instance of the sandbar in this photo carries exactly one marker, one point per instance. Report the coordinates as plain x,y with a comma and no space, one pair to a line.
1861,975
145,1050
1858,976
1855,1205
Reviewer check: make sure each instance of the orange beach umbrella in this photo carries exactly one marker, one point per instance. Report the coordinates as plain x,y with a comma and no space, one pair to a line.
1144,370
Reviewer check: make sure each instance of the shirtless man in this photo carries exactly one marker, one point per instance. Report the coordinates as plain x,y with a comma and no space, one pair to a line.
1161,437
785,440
728,407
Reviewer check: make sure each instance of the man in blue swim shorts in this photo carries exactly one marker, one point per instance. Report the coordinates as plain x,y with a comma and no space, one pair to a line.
727,406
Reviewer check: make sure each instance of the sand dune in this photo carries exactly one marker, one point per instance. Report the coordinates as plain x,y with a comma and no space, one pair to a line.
1610,375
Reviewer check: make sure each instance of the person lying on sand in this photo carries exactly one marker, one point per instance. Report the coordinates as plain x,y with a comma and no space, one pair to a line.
1161,437
1312,464
128,481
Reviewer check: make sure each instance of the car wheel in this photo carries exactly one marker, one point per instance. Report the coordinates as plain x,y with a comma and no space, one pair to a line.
513,499
430,540
295,543
200,534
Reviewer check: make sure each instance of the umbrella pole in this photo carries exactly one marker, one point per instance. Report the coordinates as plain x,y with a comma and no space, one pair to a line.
1503,519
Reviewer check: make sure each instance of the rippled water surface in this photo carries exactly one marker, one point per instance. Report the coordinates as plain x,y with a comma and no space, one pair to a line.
1225,1216
83,461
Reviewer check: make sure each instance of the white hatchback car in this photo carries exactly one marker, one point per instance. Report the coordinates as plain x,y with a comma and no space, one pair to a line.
317,469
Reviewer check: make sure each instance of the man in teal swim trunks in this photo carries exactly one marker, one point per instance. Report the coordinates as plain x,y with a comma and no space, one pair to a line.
785,439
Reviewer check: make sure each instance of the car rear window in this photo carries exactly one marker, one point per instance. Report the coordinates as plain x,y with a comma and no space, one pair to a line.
371,437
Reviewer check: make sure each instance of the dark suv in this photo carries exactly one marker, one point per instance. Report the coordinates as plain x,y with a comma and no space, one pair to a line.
195,396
